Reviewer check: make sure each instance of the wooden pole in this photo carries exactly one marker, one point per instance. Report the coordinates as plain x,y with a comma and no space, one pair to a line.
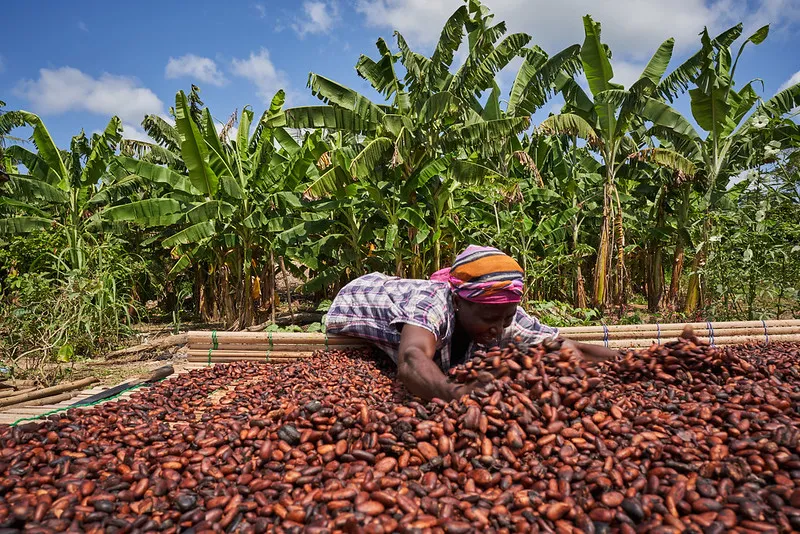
14,393
160,343
55,399
47,392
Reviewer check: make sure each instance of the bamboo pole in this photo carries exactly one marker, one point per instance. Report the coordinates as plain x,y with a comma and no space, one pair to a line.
310,347
678,326
667,329
257,341
290,346
241,358
234,356
275,337
700,332
725,340
262,355
47,392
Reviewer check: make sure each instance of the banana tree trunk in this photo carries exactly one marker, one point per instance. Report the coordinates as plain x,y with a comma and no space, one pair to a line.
603,262
353,229
677,272
655,275
273,293
203,300
74,240
580,284
621,275
245,305
680,248
580,288
437,251
266,288
694,291
655,263
398,263
229,302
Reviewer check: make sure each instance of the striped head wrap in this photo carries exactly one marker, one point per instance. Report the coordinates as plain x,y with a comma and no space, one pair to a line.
484,275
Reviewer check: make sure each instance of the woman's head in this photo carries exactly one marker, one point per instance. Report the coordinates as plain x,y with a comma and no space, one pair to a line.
487,286
484,323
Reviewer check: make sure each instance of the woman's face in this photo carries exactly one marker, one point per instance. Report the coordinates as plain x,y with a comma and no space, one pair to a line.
484,323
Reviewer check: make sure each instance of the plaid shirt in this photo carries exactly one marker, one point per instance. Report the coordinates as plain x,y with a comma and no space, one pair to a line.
375,307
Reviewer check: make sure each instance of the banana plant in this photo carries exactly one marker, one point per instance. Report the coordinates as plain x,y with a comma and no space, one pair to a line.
741,132
235,187
608,122
429,135
62,190
8,121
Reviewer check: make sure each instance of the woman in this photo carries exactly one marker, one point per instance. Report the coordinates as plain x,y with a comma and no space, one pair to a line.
428,326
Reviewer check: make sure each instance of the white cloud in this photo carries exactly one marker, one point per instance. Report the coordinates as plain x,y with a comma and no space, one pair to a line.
168,119
320,17
198,68
793,80
69,89
262,10
260,70
626,72
556,104
135,133
631,27
83,27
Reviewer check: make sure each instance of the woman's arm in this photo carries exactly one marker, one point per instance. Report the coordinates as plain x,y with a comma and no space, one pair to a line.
417,370
592,353
532,331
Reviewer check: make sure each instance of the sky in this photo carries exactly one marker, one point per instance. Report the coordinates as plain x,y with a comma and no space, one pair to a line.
82,62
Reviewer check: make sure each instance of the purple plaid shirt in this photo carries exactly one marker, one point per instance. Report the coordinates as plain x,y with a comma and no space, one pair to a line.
375,307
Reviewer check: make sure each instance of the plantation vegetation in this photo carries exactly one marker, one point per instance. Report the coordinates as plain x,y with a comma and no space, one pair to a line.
617,200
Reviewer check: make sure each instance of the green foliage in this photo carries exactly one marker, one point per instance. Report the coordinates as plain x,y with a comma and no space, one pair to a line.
49,315
753,259
618,198
561,314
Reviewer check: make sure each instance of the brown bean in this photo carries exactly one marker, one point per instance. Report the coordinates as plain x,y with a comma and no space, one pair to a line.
371,508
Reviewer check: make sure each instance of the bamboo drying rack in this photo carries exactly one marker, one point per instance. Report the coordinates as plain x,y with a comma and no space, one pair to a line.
285,347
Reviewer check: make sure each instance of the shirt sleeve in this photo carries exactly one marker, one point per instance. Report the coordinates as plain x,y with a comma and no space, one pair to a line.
529,329
425,310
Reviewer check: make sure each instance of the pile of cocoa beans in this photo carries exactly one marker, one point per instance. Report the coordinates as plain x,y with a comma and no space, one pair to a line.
676,438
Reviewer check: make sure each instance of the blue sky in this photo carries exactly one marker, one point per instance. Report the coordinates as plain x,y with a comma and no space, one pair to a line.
90,59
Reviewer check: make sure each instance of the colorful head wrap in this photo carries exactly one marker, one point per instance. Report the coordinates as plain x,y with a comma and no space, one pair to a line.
484,275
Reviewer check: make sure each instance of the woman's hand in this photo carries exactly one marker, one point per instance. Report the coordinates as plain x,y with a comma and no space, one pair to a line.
416,368
459,390
598,353
689,335
589,352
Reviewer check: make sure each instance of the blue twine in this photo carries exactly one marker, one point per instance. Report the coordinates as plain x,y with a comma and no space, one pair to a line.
766,334
710,333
